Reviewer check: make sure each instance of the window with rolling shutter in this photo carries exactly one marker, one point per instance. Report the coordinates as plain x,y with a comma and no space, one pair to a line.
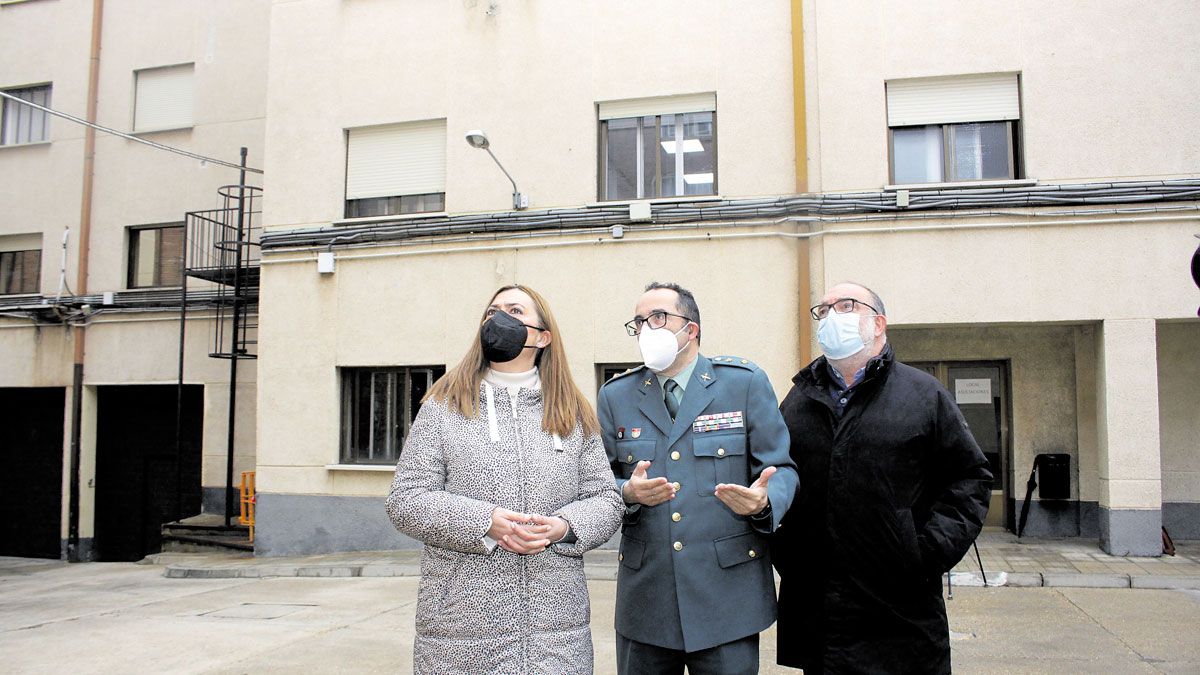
20,123
948,129
396,168
155,256
163,98
665,146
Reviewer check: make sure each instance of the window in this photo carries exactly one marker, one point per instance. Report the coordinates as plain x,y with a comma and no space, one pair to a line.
155,256
948,129
395,169
21,123
20,272
163,98
658,147
378,407
607,371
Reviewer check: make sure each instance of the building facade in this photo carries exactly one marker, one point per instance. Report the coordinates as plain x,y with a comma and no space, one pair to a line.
1018,182
92,272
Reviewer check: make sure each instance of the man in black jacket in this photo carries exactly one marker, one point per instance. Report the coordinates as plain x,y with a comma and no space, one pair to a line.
893,490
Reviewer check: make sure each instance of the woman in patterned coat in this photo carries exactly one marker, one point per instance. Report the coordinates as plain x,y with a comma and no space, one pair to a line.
505,480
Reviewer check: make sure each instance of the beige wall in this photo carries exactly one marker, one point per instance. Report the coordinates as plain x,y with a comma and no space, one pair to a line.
1048,272
394,62
1179,410
1101,91
423,309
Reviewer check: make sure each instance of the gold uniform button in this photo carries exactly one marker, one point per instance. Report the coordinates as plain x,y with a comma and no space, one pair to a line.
621,556
745,361
675,516
720,452
678,546
753,554
629,459
675,485
675,455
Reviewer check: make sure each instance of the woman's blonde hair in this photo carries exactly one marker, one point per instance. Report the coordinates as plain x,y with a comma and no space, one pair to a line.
565,405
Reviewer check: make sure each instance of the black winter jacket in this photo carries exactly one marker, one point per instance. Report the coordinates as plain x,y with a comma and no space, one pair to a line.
891,496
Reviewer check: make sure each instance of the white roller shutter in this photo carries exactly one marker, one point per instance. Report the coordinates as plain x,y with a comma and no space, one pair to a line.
20,242
658,105
949,100
396,159
163,99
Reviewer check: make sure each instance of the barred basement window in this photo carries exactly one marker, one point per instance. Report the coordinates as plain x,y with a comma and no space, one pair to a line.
378,408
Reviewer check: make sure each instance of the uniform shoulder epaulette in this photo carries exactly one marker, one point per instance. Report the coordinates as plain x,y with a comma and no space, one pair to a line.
733,361
624,373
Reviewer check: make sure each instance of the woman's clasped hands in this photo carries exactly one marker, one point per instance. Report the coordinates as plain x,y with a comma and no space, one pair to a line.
525,533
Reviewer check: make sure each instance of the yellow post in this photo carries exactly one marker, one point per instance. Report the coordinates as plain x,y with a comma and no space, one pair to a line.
247,502
800,122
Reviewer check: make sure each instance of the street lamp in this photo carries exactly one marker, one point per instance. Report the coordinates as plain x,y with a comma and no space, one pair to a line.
477,139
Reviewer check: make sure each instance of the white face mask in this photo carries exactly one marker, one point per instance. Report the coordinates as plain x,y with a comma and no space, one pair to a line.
840,336
659,348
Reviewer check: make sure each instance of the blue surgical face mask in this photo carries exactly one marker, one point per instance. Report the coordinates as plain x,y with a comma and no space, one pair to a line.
839,335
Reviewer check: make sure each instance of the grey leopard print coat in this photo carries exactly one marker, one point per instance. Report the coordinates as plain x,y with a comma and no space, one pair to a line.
480,608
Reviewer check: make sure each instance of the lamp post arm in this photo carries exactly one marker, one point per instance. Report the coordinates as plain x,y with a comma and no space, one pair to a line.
506,174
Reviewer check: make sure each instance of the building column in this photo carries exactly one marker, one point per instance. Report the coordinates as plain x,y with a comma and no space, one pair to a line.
1127,417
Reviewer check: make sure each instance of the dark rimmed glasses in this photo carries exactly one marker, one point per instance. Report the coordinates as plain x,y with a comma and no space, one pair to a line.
839,306
657,319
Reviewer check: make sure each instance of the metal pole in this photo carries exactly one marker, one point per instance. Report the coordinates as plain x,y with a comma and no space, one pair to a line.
233,350
179,386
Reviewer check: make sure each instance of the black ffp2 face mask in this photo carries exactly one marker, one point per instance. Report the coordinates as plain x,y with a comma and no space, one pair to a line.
503,337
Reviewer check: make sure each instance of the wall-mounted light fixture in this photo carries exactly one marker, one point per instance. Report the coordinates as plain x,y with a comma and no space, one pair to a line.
477,139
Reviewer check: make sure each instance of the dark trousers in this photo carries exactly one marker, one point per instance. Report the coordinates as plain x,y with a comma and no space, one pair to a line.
731,658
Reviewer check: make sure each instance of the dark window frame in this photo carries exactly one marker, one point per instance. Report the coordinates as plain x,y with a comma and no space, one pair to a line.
396,381
28,113
1015,168
602,159
134,246
396,205
26,282
607,371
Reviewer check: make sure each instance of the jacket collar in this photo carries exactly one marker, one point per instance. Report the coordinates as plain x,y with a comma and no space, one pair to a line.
695,398
817,373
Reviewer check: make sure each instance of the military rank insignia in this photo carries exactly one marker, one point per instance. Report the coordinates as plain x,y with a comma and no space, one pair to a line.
620,432
718,421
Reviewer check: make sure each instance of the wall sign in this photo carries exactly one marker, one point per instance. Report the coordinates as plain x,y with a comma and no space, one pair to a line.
973,390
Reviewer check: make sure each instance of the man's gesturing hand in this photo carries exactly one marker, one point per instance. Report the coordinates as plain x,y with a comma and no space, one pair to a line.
746,501
648,491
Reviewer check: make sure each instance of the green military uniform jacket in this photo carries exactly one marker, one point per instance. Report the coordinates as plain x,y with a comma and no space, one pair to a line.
693,574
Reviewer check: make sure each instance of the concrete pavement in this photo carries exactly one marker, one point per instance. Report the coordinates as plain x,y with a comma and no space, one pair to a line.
122,617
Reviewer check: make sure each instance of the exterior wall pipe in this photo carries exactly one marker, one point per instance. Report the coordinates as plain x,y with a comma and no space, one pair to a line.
85,232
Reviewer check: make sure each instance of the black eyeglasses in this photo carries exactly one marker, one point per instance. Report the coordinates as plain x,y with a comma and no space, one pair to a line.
657,319
840,306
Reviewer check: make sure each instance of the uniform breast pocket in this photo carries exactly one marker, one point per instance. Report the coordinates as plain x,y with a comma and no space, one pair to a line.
629,453
720,458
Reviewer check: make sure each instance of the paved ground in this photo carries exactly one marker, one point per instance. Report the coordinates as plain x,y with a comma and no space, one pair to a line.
120,617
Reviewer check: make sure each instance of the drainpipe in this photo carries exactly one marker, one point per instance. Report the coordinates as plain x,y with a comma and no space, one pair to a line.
800,123
85,232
